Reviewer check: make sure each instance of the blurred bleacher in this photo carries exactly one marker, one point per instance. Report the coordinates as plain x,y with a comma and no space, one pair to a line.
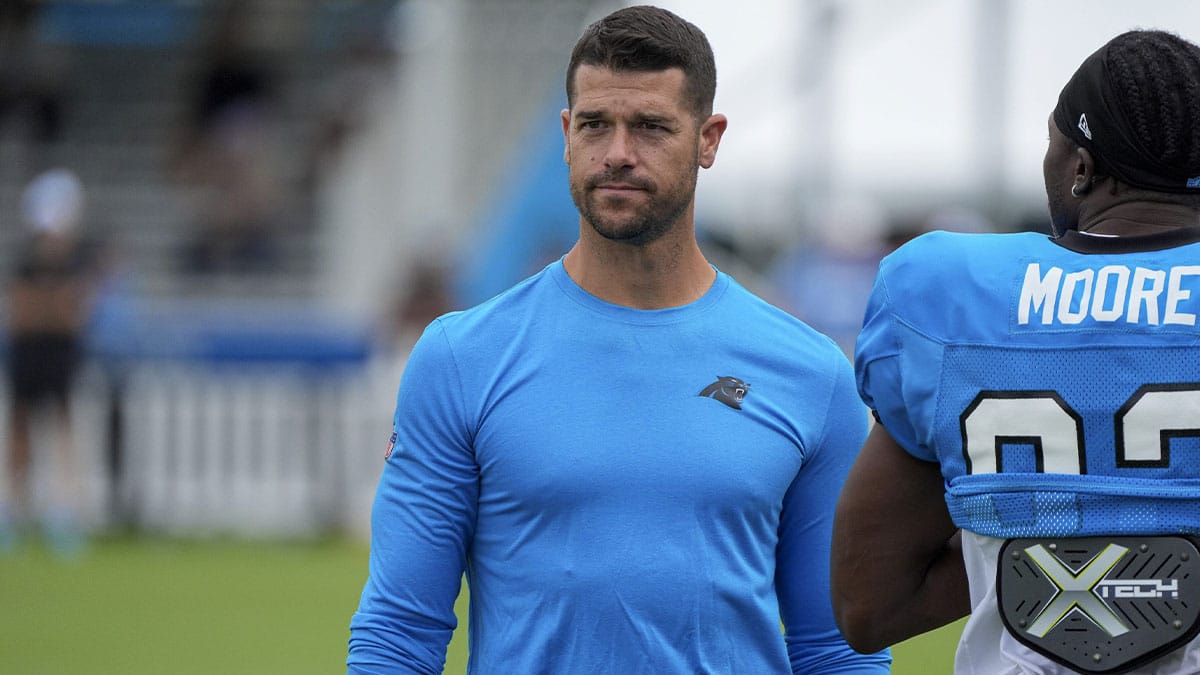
130,76
219,401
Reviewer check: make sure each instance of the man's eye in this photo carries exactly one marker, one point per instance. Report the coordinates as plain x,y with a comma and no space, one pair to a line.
592,124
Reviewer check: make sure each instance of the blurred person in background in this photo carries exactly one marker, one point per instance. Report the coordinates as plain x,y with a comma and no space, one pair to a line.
423,295
113,341
48,305
33,79
227,153
365,65
1037,455
825,282
633,459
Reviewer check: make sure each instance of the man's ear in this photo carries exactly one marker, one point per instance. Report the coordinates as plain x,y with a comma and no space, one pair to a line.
1085,172
710,138
566,126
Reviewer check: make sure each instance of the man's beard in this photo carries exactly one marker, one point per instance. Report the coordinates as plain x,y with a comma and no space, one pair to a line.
1061,218
646,225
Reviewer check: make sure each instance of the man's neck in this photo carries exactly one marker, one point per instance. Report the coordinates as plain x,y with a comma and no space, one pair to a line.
665,273
1137,218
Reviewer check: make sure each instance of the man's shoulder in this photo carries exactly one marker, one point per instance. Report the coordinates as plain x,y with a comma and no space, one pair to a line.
512,306
759,308
948,264
759,321
941,250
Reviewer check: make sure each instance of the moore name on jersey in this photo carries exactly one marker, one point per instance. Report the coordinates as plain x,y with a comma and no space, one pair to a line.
1109,294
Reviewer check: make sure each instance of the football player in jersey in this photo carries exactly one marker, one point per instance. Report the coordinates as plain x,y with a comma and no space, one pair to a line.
1036,462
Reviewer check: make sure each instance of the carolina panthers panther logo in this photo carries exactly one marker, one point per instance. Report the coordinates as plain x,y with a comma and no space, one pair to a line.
728,390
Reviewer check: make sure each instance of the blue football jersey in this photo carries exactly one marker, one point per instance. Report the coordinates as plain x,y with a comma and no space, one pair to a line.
1056,382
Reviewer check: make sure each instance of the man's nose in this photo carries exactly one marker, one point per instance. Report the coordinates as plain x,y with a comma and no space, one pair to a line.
620,151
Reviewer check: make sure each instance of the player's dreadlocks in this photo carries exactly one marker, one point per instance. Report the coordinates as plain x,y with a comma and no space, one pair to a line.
1135,105
1157,76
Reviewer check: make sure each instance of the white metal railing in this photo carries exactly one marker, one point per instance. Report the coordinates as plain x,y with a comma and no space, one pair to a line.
262,450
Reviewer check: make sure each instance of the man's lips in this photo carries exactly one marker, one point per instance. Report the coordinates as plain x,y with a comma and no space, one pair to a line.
612,182
619,188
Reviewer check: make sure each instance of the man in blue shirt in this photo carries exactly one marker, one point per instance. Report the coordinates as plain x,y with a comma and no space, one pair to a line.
1037,456
632,458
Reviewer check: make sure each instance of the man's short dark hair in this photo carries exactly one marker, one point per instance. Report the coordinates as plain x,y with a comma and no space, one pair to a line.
647,39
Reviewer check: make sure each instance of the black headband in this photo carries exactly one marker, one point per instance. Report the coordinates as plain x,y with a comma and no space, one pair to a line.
1089,112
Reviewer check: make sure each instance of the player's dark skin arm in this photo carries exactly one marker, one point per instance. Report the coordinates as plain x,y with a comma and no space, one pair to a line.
897,567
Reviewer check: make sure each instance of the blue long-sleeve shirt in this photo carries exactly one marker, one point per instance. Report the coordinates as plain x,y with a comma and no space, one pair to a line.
612,511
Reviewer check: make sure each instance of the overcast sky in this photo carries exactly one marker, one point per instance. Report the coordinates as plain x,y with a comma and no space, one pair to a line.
903,112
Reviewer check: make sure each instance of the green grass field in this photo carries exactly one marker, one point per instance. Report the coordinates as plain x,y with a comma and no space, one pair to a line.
134,606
